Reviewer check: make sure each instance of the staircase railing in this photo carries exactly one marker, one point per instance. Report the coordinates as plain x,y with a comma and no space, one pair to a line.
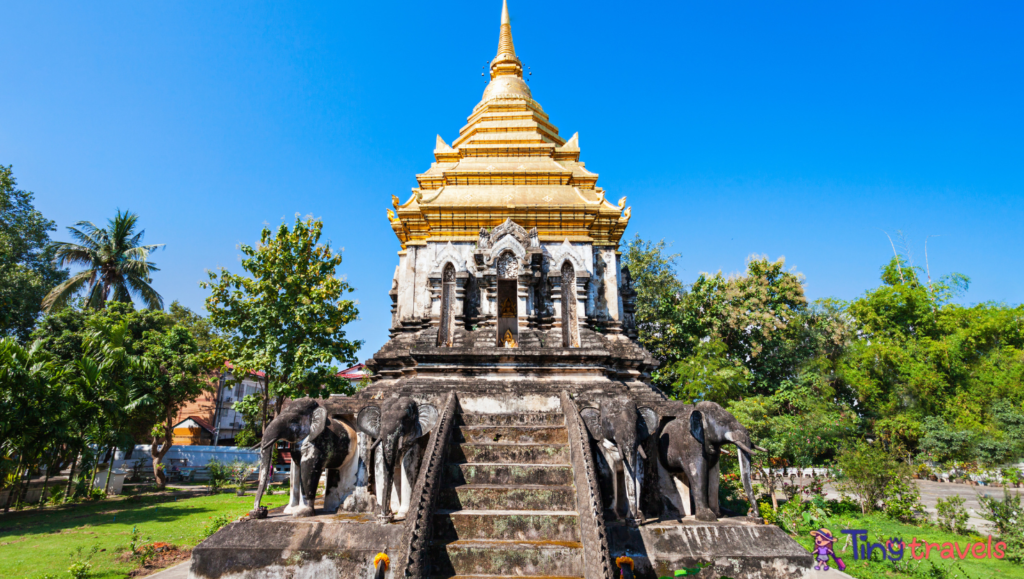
596,555
419,530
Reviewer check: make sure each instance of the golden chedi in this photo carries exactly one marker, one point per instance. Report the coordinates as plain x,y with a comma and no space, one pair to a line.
508,168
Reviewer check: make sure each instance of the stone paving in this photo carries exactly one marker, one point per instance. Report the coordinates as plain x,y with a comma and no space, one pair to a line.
179,571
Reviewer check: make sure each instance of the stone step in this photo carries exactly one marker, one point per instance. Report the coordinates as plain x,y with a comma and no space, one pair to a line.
529,453
504,577
518,419
518,433
507,558
507,474
516,497
506,525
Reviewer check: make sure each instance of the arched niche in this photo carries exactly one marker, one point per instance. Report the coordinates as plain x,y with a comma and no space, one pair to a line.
446,331
507,266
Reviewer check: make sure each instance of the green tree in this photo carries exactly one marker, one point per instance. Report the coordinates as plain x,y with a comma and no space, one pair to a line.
936,377
29,416
27,271
285,317
210,341
169,370
177,378
251,409
116,264
125,394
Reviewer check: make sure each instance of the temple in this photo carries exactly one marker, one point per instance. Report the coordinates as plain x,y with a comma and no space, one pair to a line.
510,427
508,230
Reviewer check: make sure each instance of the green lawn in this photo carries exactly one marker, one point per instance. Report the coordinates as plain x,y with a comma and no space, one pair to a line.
36,542
880,529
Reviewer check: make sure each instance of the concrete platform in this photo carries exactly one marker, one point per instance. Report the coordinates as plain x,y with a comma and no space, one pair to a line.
735,547
341,545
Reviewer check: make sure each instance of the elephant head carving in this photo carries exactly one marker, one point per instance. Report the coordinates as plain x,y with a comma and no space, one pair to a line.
325,443
620,428
395,428
691,445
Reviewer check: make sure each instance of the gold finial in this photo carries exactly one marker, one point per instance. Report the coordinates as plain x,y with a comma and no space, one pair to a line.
506,62
505,46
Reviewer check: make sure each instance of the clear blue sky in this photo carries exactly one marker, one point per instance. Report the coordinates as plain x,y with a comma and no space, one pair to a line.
795,129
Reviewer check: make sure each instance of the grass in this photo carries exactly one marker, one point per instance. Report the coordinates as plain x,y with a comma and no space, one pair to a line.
880,529
35,543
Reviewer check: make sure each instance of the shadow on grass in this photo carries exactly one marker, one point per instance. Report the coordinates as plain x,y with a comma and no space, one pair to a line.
134,510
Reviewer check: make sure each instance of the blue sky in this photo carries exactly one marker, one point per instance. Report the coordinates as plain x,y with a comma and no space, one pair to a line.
734,128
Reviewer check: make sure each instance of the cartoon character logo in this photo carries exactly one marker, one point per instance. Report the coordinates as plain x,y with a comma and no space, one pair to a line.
823,541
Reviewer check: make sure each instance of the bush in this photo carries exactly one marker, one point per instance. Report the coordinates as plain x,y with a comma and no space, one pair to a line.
731,495
80,566
816,486
952,516
215,525
902,501
1008,517
768,513
796,515
219,475
79,569
240,471
870,471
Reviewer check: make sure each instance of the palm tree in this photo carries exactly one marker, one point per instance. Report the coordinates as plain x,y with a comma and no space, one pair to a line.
114,260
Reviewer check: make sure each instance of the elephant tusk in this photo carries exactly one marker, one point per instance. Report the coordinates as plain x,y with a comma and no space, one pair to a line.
640,449
742,447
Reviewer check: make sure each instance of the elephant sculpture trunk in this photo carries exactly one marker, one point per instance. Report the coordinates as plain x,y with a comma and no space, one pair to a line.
266,477
744,452
388,449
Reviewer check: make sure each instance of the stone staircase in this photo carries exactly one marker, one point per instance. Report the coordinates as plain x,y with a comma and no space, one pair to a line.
508,504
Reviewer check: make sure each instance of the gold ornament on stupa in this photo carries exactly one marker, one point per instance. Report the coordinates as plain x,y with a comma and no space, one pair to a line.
508,162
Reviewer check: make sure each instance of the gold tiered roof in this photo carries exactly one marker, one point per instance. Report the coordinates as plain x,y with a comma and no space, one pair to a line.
508,162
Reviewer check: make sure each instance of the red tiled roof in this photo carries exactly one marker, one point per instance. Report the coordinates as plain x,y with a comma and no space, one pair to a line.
202,423
356,372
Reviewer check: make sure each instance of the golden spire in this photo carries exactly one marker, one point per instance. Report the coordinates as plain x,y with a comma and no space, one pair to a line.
505,45
506,62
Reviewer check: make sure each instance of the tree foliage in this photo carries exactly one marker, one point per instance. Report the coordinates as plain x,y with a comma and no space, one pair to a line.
904,364
116,264
27,271
285,317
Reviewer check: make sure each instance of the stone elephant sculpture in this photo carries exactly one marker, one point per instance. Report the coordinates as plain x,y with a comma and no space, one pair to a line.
691,444
324,443
395,428
620,428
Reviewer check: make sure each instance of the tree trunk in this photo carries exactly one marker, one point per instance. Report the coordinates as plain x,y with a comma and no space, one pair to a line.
28,481
157,454
46,479
71,477
110,468
95,471
17,484
266,404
